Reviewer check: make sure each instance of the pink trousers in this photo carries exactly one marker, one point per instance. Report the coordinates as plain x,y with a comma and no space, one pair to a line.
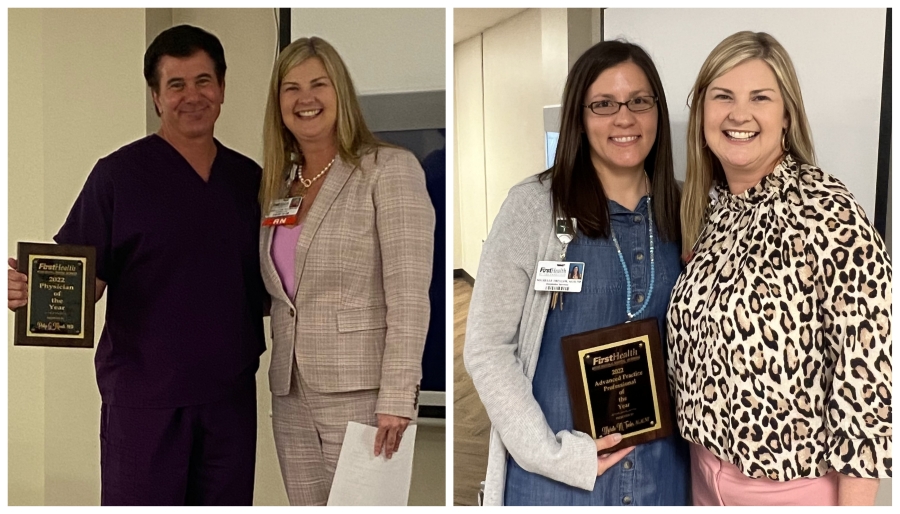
716,482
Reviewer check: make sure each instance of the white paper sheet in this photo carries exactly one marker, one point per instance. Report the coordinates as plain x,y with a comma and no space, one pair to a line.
361,478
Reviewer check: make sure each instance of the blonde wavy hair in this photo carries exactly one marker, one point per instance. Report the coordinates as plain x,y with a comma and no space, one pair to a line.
703,167
354,139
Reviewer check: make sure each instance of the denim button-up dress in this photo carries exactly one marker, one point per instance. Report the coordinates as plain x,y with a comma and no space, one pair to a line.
656,473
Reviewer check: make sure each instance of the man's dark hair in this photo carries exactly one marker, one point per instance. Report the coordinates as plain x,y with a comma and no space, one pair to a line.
182,41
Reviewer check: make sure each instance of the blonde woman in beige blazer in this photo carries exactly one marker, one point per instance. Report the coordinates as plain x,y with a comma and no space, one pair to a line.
350,313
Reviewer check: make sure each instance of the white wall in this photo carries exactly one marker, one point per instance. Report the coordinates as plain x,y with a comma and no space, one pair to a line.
554,55
469,157
26,160
513,97
63,89
386,50
838,55
503,78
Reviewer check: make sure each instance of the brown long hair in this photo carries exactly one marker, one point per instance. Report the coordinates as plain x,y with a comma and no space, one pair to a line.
354,139
703,167
575,187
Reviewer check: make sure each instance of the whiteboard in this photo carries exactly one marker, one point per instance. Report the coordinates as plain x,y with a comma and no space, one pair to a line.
838,55
386,50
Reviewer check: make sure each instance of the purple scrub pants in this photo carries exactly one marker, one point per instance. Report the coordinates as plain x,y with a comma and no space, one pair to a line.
196,455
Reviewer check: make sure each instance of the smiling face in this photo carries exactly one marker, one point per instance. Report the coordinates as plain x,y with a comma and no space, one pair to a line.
743,120
309,103
620,142
189,98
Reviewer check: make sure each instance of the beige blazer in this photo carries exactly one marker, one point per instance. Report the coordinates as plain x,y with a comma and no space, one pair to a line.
362,270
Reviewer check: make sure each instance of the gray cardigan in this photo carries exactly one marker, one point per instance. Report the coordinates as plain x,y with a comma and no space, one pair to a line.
503,340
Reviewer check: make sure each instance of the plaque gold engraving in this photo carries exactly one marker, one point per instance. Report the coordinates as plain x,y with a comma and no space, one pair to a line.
60,309
617,383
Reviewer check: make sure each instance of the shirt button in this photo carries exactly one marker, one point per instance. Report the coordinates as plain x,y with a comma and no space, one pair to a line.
628,464
626,500
639,298
639,256
292,312
638,218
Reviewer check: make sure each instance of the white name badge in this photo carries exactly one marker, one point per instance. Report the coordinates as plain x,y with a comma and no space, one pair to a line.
559,276
284,212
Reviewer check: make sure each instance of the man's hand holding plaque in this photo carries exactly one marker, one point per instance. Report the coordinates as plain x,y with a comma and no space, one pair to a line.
17,294
617,384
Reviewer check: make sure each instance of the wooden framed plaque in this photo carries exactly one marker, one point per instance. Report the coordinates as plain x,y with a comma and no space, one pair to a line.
617,383
60,309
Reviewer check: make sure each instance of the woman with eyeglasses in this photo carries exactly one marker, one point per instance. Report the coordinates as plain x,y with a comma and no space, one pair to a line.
612,185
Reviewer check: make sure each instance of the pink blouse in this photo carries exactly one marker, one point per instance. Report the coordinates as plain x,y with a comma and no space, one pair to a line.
284,247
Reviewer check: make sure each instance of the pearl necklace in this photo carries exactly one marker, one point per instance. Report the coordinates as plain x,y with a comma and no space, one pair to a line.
306,182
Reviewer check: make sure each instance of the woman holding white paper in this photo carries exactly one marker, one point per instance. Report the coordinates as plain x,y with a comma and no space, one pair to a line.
348,271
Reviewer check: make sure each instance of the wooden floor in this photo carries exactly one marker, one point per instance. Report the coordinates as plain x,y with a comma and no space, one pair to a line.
471,427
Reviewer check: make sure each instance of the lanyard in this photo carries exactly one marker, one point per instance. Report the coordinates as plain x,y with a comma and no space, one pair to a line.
625,268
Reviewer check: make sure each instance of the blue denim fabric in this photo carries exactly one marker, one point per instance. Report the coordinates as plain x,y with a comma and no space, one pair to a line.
656,473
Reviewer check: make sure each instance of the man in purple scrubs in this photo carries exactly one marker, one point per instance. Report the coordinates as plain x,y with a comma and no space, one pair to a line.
175,223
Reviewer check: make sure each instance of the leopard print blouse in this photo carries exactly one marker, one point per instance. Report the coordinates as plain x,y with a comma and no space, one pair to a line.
780,332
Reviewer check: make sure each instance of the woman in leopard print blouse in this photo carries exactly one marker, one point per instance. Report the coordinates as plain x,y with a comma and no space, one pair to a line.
780,326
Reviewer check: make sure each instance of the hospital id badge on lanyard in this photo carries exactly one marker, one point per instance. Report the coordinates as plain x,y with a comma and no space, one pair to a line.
284,211
560,276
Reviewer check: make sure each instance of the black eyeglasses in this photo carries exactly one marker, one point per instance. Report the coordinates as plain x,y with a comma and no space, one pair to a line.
610,107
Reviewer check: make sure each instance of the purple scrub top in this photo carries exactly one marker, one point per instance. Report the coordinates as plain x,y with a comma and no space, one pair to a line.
180,257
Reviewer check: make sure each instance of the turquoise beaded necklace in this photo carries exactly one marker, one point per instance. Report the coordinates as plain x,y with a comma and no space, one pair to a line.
625,267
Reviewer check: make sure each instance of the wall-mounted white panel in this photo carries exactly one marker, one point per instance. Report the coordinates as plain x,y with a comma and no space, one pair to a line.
26,213
386,50
838,55
513,104
469,162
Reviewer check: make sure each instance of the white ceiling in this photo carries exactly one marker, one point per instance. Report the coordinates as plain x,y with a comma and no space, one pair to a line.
469,22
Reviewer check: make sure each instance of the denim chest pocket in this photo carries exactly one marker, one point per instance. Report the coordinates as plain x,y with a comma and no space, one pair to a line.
602,270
